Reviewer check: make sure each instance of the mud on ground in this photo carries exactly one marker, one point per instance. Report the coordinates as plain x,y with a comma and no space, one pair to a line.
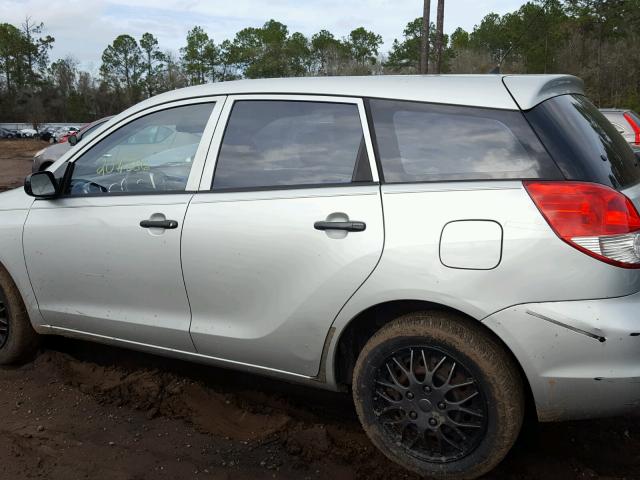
89,411
82,410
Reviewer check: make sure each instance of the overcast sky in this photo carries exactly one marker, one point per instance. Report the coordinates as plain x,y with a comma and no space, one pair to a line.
83,28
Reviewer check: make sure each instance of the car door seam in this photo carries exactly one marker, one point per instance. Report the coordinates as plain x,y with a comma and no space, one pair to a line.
24,256
184,281
322,368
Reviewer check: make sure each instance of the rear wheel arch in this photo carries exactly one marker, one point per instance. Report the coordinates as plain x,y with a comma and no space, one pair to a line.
353,337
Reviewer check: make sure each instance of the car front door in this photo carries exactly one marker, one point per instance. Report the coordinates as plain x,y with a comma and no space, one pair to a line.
288,228
104,259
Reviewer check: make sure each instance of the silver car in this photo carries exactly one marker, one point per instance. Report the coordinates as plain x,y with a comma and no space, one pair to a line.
453,249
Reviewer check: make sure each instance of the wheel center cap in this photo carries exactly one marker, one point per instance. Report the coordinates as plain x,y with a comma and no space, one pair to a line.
425,405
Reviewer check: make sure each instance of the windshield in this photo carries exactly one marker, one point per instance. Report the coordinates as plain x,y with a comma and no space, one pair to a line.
584,144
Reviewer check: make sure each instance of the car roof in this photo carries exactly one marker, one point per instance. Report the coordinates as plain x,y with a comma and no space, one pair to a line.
522,91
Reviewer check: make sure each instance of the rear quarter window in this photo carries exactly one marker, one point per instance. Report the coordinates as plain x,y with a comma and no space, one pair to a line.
420,142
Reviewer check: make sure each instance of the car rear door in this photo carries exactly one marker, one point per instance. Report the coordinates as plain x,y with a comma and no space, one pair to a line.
104,259
288,228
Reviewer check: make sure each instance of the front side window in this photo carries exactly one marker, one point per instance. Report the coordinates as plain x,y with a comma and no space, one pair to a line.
274,143
421,142
151,154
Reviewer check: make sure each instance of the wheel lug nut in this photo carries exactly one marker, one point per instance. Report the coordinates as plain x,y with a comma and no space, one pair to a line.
413,415
410,395
427,389
442,405
433,422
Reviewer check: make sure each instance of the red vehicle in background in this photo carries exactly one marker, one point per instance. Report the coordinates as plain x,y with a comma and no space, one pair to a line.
63,134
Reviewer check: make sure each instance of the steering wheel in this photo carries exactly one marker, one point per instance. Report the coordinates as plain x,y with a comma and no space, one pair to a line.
144,181
87,187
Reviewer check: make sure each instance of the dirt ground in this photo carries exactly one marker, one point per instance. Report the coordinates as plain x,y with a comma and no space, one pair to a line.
82,410
15,160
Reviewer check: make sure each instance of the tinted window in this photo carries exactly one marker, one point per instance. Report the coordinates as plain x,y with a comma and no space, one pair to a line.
583,143
92,128
150,154
289,143
85,132
423,142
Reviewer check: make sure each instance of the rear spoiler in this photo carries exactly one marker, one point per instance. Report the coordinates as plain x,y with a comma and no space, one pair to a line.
530,90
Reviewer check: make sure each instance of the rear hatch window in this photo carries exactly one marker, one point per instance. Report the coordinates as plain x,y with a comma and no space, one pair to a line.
584,144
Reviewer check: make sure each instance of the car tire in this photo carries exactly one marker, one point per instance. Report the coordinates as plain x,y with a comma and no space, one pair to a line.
438,395
18,340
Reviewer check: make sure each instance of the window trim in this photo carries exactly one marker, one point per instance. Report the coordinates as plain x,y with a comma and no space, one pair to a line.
206,182
119,122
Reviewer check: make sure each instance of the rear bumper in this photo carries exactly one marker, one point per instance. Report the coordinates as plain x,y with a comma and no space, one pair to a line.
581,358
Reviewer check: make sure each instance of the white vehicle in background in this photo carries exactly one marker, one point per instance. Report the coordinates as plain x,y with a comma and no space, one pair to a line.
28,133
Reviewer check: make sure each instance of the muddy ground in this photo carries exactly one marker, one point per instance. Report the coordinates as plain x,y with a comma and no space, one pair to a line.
82,410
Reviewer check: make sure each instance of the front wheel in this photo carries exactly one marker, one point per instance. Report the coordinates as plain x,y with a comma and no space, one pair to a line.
437,395
18,339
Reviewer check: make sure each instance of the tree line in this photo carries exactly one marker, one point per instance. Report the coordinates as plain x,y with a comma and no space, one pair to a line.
598,40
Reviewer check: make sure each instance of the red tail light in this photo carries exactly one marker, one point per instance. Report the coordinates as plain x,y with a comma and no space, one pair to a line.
595,219
634,126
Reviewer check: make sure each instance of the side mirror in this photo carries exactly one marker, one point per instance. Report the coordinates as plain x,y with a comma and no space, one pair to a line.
41,185
72,140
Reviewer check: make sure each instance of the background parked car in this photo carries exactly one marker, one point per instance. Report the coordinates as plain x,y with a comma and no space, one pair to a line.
28,133
62,134
627,122
47,156
47,133
6,133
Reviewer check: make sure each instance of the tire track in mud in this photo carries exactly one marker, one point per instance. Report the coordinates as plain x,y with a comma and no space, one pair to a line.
285,432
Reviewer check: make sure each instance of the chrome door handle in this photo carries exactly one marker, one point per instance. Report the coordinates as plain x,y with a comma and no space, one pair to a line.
346,226
166,224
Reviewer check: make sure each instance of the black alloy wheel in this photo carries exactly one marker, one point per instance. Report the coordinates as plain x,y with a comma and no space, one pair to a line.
429,404
437,393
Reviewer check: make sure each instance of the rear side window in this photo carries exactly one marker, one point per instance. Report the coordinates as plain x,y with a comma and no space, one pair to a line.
584,144
275,143
421,142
